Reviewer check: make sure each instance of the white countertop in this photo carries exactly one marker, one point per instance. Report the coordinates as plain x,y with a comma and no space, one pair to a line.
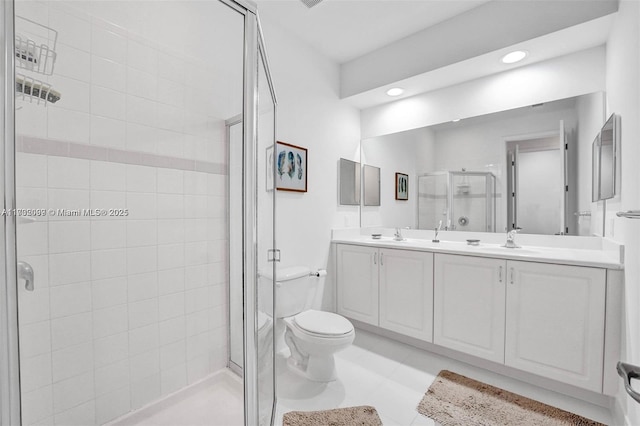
610,258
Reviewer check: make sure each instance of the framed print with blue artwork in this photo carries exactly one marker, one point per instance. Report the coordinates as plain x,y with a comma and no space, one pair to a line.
291,167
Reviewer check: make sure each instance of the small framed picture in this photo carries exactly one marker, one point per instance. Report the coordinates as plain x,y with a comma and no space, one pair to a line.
402,186
270,168
291,167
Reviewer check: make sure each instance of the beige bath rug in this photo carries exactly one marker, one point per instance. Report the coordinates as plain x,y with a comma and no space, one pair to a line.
351,416
458,400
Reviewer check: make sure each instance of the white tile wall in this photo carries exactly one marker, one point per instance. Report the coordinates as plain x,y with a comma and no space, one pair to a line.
125,310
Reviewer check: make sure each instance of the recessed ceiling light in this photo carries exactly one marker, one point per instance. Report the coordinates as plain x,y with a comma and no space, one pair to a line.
455,120
513,57
396,91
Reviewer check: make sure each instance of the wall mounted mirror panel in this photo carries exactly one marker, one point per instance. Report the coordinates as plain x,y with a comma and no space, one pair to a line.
605,159
371,186
563,132
349,182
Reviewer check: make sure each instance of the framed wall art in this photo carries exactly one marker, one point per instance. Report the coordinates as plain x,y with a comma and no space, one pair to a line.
402,186
291,167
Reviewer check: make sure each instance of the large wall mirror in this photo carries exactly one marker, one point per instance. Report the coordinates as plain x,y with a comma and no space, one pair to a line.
540,158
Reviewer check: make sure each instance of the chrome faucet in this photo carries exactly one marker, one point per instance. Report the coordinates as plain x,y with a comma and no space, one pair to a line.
398,235
436,231
511,239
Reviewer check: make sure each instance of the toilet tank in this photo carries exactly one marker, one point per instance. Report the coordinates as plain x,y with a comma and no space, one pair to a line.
292,288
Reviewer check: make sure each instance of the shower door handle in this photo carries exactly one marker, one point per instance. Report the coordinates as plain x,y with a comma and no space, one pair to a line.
25,272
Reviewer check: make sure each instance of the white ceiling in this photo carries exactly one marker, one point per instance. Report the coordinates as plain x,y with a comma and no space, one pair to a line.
574,39
346,29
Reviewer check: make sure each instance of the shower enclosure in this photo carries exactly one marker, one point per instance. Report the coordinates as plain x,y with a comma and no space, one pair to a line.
457,201
128,208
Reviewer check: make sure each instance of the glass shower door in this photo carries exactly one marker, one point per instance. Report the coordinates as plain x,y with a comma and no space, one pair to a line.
122,227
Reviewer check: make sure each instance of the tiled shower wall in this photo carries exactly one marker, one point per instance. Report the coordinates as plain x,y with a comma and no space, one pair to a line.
125,309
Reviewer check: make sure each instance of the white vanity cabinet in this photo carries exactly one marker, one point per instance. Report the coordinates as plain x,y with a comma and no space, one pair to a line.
357,282
555,322
469,305
539,317
389,288
406,292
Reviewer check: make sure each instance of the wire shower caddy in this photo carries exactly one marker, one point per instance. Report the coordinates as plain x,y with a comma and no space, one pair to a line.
35,51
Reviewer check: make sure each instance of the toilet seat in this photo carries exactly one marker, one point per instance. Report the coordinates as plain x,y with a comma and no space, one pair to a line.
322,324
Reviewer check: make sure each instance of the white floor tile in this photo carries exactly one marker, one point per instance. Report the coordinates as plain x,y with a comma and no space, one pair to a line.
393,378
375,371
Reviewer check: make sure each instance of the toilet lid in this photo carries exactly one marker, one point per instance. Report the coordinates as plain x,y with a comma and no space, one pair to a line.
324,323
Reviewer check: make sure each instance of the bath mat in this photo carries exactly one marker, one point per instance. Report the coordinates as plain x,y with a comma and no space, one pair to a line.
363,415
453,400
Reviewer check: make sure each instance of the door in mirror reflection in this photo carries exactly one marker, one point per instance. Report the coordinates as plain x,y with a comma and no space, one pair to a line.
536,185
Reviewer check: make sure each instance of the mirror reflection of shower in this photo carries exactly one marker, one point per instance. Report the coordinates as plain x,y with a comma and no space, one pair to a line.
459,200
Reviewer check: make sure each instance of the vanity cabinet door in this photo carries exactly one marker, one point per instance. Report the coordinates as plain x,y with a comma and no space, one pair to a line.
357,282
469,305
406,292
555,322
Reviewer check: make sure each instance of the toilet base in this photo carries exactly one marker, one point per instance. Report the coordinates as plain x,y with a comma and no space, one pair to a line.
318,368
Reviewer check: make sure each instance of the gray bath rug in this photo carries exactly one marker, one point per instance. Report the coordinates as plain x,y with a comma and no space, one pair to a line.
458,400
351,416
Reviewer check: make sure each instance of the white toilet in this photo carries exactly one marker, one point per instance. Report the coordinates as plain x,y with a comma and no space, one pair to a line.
312,336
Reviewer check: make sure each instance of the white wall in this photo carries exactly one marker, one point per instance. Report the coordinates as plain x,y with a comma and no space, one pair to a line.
310,114
564,77
623,97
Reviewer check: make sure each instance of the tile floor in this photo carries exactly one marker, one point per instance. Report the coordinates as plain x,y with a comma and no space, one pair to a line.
374,371
393,377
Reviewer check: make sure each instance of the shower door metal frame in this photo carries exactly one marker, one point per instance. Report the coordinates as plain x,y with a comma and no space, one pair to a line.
9,340
255,53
